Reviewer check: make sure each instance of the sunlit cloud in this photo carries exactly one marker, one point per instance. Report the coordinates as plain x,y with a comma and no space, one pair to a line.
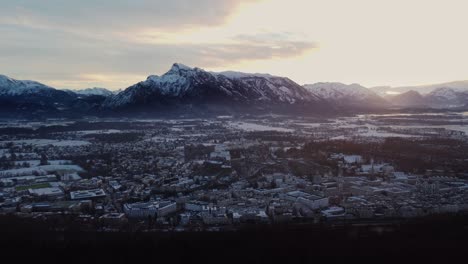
95,80
372,42
67,54
118,15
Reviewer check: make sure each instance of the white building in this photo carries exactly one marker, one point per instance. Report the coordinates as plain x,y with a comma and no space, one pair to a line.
195,206
305,199
87,194
152,209
49,192
349,159
334,212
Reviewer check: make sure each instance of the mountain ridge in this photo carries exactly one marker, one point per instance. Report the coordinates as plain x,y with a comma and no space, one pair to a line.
352,95
183,85
185,89
422,89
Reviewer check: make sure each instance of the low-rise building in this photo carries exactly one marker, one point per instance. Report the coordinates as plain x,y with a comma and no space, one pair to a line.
306,199
87,194
49,192
150,209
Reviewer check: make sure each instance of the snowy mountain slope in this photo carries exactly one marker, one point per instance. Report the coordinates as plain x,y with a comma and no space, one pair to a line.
422,89
183,85
24,91
94,91
347,95
185,90
357,96
12,87
445,97
442,97
30,98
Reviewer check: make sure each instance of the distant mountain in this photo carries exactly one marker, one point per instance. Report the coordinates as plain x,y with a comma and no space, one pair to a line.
408,99
193,91
445,97
94,91
12,87
422,89
31,98
348,96
442,97
184,88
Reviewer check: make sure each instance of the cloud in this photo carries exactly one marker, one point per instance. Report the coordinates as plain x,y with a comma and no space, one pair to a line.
218,55
95,42
117,15
50,56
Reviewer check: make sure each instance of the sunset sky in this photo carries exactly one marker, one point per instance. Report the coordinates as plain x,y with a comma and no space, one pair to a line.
116,43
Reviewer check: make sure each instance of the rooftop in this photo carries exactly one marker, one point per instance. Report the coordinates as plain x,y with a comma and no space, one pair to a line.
87,194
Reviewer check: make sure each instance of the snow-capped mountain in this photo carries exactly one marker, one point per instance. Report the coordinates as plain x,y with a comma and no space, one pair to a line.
31,98
94,91
21,92
195,91
184,86
358,97
353,95
422,89
446,97
443,97
12,87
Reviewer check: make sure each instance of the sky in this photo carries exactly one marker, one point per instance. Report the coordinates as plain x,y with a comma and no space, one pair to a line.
116,43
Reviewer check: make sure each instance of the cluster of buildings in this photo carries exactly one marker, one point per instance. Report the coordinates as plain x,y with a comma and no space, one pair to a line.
194,174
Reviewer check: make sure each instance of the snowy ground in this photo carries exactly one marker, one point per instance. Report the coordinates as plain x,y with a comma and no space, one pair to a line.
250,127
369,125
46,142
375,133
42,170
309,124
163,139
107,131
34,163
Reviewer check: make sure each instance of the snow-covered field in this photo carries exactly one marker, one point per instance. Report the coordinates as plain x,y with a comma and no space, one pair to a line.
34,163
42,170
107,131
22,172
251,127
163,139
46,142
376,133
309,124
373,133
69,168
193,135
371,126
34,125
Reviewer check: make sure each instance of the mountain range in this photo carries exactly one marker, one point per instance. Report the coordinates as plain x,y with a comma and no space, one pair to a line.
34,99
439,98
353,96
95,91
422,89
186,90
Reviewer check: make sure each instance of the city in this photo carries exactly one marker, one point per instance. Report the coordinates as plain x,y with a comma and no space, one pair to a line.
233,130
225,173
